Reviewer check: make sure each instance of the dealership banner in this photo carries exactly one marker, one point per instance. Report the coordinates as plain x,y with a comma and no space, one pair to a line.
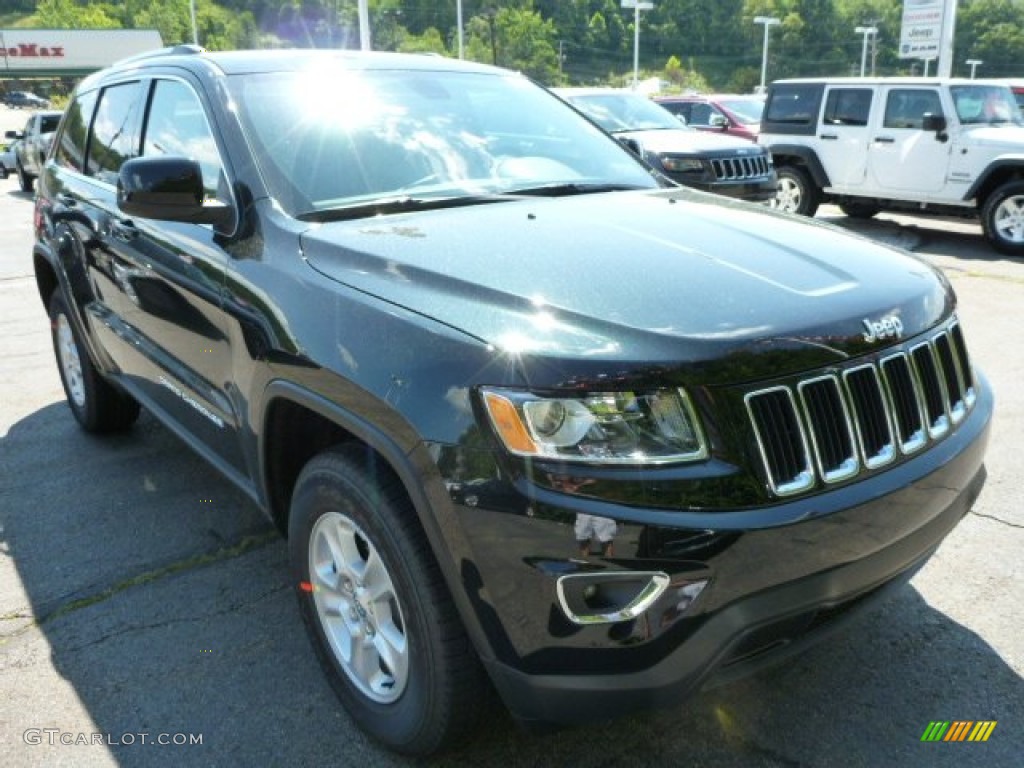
921,33
39,51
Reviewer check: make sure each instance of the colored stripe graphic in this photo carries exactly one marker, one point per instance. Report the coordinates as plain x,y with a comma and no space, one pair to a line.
958,730
935,730
982,730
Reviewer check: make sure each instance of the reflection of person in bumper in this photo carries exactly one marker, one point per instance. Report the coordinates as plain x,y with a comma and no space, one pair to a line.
590,527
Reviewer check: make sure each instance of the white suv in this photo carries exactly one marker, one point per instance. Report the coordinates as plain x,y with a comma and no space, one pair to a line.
941,146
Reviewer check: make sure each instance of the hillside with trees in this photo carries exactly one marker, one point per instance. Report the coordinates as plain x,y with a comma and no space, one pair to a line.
692,43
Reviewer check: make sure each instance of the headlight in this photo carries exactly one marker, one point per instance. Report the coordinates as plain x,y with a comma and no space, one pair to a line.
681,164
603,427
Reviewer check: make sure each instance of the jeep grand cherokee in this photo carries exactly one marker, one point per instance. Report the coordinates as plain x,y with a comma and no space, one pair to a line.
529,418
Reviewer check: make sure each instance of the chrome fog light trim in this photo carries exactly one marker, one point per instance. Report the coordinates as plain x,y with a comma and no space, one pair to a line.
608,598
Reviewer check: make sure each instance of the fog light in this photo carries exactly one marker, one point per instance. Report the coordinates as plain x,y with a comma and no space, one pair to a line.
608,598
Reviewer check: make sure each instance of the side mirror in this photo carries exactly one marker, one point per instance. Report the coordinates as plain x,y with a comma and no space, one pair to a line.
933,123
718,121
632,145
14,135
168,188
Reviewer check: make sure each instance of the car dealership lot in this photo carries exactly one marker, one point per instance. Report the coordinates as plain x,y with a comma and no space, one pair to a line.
143,599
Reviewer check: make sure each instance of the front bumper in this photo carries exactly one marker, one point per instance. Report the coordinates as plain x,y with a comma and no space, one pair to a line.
776,579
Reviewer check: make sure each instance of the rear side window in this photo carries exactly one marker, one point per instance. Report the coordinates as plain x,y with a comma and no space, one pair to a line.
701,114
847,106
792,108
114,131
70,152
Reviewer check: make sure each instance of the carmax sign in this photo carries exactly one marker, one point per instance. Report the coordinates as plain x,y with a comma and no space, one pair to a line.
54,52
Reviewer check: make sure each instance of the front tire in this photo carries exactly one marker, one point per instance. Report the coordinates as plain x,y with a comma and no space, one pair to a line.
1002,218
96,404
25,180
376,606
795,191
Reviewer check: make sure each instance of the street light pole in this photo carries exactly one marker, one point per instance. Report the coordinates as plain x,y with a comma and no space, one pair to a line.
458,23
974,64
637,6
364,25
768,21
867,32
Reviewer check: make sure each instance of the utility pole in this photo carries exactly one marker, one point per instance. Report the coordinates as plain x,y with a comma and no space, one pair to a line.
637,6
867,32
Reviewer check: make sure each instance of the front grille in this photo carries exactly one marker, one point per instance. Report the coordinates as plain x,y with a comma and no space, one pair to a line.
831,427
739,168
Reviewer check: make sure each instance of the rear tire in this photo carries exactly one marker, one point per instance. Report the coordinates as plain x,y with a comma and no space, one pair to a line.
1002,218
795,191
857,210
96,404
377,608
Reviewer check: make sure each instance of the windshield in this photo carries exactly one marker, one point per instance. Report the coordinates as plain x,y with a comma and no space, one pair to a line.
991,104
624,111
342,138
747,111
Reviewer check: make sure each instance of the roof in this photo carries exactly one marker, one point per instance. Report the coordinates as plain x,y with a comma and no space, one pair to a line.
295,59
870,81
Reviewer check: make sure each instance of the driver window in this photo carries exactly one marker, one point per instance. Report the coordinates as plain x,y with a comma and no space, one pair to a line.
176,125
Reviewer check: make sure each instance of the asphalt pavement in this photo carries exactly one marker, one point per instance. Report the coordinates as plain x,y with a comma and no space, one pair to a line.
144,600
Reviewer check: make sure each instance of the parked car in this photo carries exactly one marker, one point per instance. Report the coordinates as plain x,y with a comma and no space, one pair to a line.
25,100
7,160
721,164
33,144
531,416
949,147
734,114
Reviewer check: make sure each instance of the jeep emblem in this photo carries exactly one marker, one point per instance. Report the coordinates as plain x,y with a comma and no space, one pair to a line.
889,326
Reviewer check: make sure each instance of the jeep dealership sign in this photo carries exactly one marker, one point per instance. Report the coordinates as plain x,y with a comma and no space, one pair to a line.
921,33
43,52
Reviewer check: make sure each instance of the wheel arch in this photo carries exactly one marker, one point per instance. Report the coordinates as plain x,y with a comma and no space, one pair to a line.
994,176
805,157
298,424
46,275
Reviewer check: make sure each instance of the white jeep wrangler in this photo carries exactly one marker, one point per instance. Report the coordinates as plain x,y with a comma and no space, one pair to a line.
936,145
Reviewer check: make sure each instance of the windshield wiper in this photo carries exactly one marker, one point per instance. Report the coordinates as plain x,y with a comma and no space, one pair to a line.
567,188
397,204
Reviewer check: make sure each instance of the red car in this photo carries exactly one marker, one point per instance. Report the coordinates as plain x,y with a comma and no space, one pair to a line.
736,115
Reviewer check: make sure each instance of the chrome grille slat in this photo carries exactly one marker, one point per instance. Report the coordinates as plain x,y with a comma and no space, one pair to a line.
739,168
871,417
931,388
829,426
905,401
781,439
833,426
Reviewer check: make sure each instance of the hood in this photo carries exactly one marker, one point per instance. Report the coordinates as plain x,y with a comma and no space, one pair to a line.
663,277
1006,135
688,141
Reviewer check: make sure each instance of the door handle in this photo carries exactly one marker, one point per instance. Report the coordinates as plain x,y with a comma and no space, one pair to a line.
123,230
829,136
884,140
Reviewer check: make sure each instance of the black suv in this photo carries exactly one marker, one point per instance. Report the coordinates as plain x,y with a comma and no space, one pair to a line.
529,418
